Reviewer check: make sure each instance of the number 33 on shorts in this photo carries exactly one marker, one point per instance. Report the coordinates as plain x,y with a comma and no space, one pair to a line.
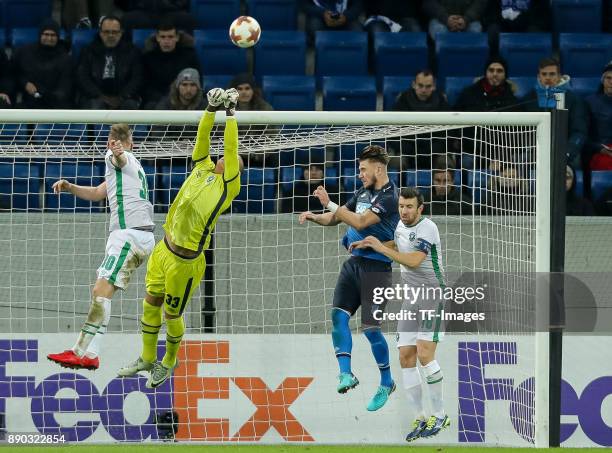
174,278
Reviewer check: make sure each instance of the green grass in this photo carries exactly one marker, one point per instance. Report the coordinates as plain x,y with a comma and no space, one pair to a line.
168,447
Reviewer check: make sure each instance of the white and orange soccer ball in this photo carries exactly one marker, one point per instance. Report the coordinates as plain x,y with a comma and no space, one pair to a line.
245,32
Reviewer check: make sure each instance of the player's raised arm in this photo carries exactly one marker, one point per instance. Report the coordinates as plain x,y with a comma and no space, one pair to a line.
119,158
202,146
97,193
230,137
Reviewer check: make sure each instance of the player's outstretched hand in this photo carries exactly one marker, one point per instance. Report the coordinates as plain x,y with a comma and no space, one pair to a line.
61,186
116,147
216,97
231,100
304,216
322,195
371,242
356,245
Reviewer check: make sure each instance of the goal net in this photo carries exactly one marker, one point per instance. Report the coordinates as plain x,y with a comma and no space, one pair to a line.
257,362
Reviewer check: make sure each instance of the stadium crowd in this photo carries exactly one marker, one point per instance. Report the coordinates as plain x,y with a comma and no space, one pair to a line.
165,72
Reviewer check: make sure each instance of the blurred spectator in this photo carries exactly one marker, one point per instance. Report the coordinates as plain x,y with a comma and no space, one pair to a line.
602,160
331,15
604,205
148,13
185,93
445,198
43,71
391,15
84,13
6,82
493,92
454,15
514,16
302,199
109,74
575,205
600,108
508,193
166,54
422,96
550,81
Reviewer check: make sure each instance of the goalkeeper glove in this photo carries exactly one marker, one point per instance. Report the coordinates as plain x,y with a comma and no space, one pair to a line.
231,99
216,97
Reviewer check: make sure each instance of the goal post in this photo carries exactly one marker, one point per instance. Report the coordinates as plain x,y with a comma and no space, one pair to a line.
272,278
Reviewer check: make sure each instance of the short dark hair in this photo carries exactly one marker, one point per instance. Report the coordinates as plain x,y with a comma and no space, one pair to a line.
426,72
110,17
376,153
549,61
412,192
166,25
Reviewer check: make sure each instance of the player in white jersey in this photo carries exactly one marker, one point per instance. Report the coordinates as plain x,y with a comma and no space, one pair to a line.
416,247
129,243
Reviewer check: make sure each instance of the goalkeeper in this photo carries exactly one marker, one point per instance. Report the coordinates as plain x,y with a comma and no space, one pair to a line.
129,243
371,211
177,263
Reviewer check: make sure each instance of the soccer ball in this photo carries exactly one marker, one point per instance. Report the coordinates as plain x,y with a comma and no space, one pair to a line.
245,31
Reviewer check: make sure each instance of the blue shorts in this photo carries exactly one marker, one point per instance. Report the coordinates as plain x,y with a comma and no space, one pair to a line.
355,284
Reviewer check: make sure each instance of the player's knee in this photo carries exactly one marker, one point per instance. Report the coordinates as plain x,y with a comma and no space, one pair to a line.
425,357
407,356
102,288
168,315
339,317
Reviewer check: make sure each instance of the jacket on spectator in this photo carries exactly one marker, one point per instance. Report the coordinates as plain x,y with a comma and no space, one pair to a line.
407,101
575,205
533,15
352,10
542,98
482,97
453,203
600,109
153,6
472,10
49,68
7,84
128,70
161,68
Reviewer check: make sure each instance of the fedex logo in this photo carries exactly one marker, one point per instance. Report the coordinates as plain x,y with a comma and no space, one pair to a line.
474,389
183,394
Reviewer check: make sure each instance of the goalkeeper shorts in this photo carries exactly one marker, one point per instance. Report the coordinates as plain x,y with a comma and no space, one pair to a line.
125,251
173,277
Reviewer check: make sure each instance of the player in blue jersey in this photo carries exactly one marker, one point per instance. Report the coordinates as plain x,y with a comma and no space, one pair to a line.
372,211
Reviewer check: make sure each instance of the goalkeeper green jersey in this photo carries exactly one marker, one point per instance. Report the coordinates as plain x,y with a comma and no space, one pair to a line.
205,194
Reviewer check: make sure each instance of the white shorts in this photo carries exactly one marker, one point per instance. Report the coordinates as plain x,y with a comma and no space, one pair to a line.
428,326
125,251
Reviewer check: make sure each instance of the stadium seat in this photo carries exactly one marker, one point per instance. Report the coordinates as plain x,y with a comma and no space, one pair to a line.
213,14
3,41
420,179
21,36
290,92
460,54
59,133
14,134
341,53
303,156
523,85
601,181
217,54
19,185
140,35
84,172
24,13
349,93
584,54
274,14
477,182
216,81
399,54
579,183
454,86
257,194
392,87
171,179
523,51
79,39
350,181
576,16
585,86
281,53
288,175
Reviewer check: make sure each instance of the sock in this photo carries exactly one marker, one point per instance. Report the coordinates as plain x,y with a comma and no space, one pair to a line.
433,377
414,391
94,347
95,317
342,339
175,328
380,350
150,324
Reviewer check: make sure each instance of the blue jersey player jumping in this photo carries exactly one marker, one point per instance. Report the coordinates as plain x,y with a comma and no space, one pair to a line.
372,211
